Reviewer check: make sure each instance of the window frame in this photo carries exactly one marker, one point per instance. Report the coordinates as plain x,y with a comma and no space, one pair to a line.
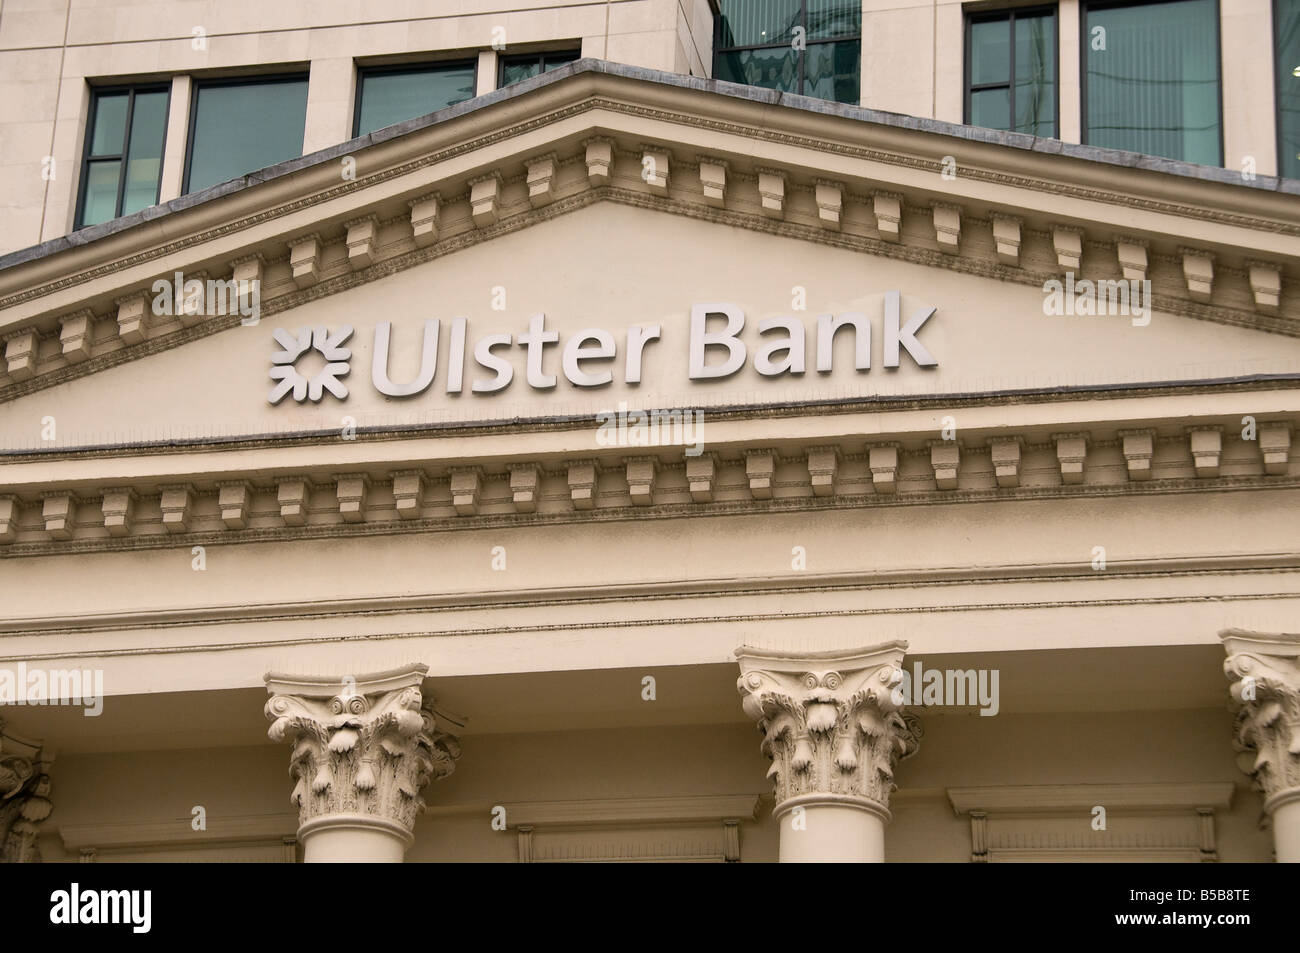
1010,14
503,61
1085,6
1279,78
131,89
719,50
259,79
416,66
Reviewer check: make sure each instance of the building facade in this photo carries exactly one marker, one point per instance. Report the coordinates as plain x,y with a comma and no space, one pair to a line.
650,430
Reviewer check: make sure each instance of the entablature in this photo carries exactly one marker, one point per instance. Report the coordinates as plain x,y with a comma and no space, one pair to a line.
659,465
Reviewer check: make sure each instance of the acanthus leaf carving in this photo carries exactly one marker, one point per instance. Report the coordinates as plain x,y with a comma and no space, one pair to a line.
832,723
1264,671
365,745
24,797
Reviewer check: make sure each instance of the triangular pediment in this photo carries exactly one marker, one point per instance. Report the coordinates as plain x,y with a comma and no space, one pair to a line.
1003,207
621,280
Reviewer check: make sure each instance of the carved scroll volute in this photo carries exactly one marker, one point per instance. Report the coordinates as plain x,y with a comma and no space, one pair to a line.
832,723
1264,671
367,749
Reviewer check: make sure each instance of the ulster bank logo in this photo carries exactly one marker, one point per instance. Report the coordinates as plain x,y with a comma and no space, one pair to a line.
311,361
327,347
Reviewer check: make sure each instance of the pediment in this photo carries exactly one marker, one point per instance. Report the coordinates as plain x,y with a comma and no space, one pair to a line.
634,275
890,189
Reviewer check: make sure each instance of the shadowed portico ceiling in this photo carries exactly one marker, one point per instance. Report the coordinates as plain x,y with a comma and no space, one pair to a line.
991,204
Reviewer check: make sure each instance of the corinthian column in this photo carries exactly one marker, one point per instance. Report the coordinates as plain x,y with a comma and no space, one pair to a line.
363,748
24,797
833,726
1265,674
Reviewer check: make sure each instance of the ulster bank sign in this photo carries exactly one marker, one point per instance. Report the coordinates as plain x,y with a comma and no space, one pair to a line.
715,347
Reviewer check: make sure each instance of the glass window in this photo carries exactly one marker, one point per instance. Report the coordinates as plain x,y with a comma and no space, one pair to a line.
240,127
388,96
516,68
1011,71
812,47
122,166
1286,37
1151,79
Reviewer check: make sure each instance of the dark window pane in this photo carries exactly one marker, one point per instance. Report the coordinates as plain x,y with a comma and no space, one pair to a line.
1036,109
101,192
1035,93
240,129
554,60
755,22
110,125
144,157
513,71
991,108
1035,49
1287,63
1154,88
829,18
831,71
387,98
772,69
990,52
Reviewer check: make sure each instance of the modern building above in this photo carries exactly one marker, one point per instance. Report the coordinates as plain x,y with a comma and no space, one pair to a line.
114,108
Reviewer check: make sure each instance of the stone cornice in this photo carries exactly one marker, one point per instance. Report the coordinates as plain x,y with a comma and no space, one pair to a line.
308,499
92,542
195,439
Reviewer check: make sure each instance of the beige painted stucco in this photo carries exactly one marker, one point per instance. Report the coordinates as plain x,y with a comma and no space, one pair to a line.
1093,507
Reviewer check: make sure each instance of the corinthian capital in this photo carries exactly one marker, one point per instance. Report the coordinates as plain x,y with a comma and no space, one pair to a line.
24,797
832,722
363,747
1264,671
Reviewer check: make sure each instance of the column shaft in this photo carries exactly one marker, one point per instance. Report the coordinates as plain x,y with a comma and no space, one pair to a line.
826,832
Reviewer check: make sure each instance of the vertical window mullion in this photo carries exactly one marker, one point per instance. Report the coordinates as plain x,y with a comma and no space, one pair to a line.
804,53
83,186
1011,71
126,147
